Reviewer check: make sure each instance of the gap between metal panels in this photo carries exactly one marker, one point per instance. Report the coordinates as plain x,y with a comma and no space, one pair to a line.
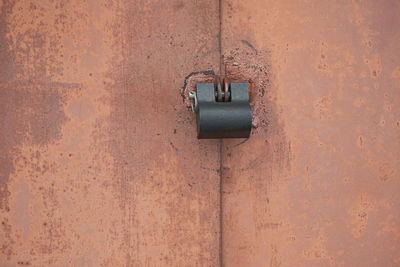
221,68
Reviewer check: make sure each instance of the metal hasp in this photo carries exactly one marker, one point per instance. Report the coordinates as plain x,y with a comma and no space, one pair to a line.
230,118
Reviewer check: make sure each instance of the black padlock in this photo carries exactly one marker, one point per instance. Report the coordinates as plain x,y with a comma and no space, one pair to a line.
222,113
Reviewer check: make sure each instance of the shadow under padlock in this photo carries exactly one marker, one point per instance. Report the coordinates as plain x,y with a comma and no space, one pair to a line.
222,112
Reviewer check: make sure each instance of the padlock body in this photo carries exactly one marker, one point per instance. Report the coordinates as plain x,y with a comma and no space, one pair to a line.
231,119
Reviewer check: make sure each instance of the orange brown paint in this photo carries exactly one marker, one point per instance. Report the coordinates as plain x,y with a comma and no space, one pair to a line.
100,164
316,189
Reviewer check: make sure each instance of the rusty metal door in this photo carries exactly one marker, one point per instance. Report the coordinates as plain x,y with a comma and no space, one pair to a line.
100,165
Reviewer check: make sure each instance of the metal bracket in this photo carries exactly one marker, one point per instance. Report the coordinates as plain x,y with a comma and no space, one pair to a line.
222,113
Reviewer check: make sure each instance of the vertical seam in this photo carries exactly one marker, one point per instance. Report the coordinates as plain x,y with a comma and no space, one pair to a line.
221,63
220,205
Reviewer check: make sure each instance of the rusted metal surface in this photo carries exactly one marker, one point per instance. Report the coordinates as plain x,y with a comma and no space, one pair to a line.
317,183
100,165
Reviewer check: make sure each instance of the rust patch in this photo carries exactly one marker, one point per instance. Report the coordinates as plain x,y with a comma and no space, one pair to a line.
245,63
359,213
31,106
33,95
7,241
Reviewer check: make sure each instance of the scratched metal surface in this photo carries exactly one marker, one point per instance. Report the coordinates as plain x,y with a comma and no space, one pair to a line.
318,182
100,165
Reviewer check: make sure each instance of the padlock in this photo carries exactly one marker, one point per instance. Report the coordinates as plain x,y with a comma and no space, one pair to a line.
222,113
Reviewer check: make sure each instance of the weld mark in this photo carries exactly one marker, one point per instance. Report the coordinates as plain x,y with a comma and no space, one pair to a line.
204,72
250,45
244,141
